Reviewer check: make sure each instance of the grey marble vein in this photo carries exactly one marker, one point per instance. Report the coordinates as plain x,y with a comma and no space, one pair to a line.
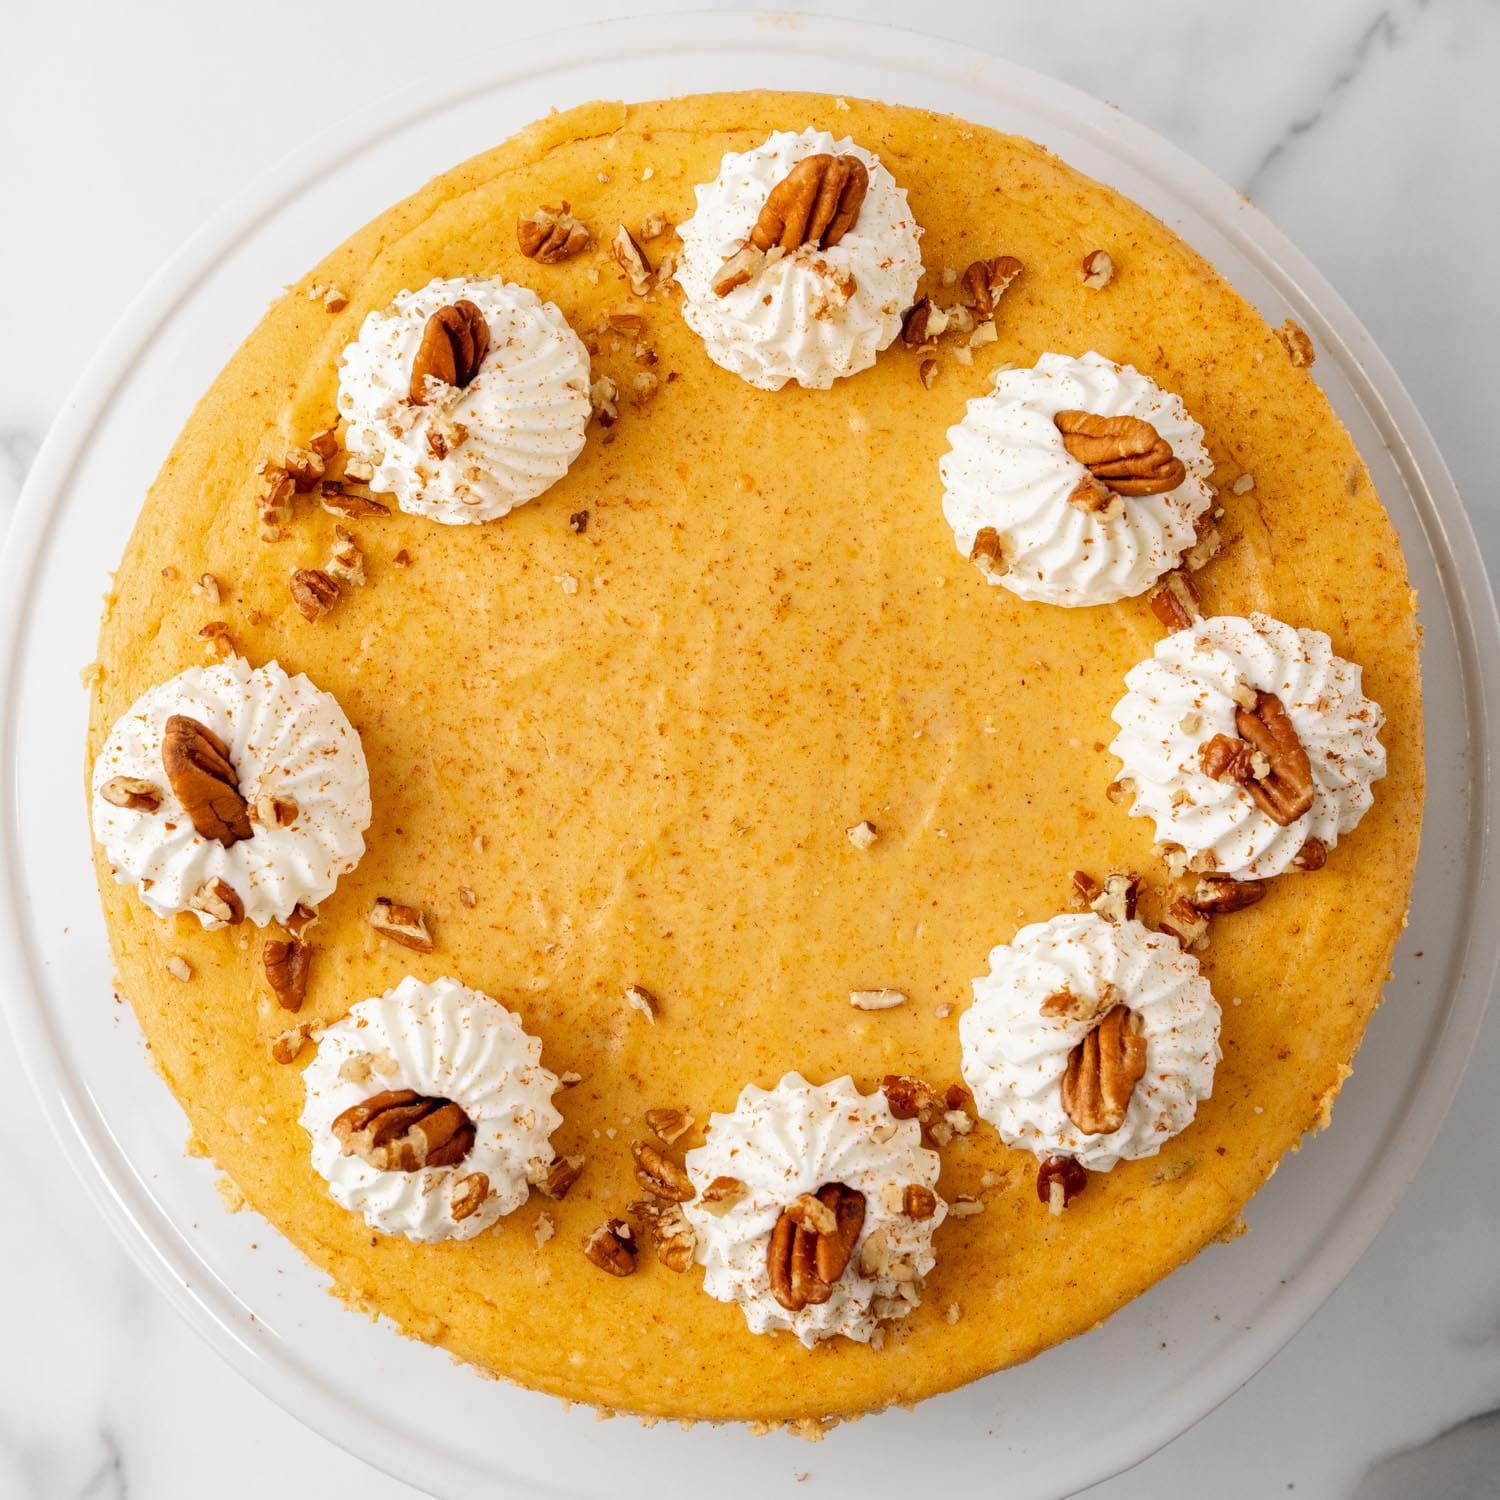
1385,29
1460,1463
107,1482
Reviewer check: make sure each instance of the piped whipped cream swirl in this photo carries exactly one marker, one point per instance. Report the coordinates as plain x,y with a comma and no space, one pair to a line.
470,454
287,740
794,1139
1007,468
446,1041
1184,694
812,315
1014,1056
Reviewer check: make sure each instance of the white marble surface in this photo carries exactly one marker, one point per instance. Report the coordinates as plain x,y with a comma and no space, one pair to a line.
1366,130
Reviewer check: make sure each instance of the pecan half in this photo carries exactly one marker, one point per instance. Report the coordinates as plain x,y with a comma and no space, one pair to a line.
1102,1072
400,1130
1287,792
454,344
401,924
287,962
551,234
1059,1180
1126,454
132,793
816,203
314,593
987,281
803,1261
611,1247
197,764
660,1174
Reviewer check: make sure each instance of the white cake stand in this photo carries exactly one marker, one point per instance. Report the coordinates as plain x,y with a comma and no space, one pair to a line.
1071,1417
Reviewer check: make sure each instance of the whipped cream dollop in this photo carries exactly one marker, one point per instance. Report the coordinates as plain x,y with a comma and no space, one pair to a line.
794,1139
1014,1056
1008,469
810,315
445,1041
475,453
288,741
1184,694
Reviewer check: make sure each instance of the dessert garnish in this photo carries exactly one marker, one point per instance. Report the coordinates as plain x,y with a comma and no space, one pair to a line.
1102,1072
659,1174
985,282
625,250
400,1130
454,343
133,792
816,203
811,1244
669,1125
1097,270
1267,760
611,1247
551,234
197,764
1175,603
1124,455
1059,1180
673,1238
217,903
287,962
314,593
406,925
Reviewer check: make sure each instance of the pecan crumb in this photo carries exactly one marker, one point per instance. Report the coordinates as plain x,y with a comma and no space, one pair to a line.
406,925
876,999
179,968
578,522
286,1046
642,1000
862,835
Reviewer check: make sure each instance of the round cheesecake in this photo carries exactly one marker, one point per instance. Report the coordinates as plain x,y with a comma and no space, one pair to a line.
708,766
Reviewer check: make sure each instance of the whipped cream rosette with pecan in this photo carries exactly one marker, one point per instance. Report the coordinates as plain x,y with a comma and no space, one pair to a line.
429,1110
799,261
1090,1039
467,398
814,1209
1249,744
1076,482
233,793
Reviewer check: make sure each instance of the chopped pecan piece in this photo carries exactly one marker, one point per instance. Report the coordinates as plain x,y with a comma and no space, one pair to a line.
1097,269
314,593
305,467
987,281
741,268
1225,758
804,1260
217,900
287,962
669,1125
721,1194
1313,855
274,504
401,924
659,1174
816,203
611,1247
561,1175
468,1197
400,1130
1185,922
454,344
1126,454
301,919
1287,791
551,234
1299,348
325,443
987,554
1116,902
197,764
918,1202
1175,603
1059,1180
286,1046
1065,1004
1102,1072
671,1234
1218,895
908,1098
131,792
922,323
626,252
339,501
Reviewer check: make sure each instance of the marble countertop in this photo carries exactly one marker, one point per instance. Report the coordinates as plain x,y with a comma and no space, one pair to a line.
1366,130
